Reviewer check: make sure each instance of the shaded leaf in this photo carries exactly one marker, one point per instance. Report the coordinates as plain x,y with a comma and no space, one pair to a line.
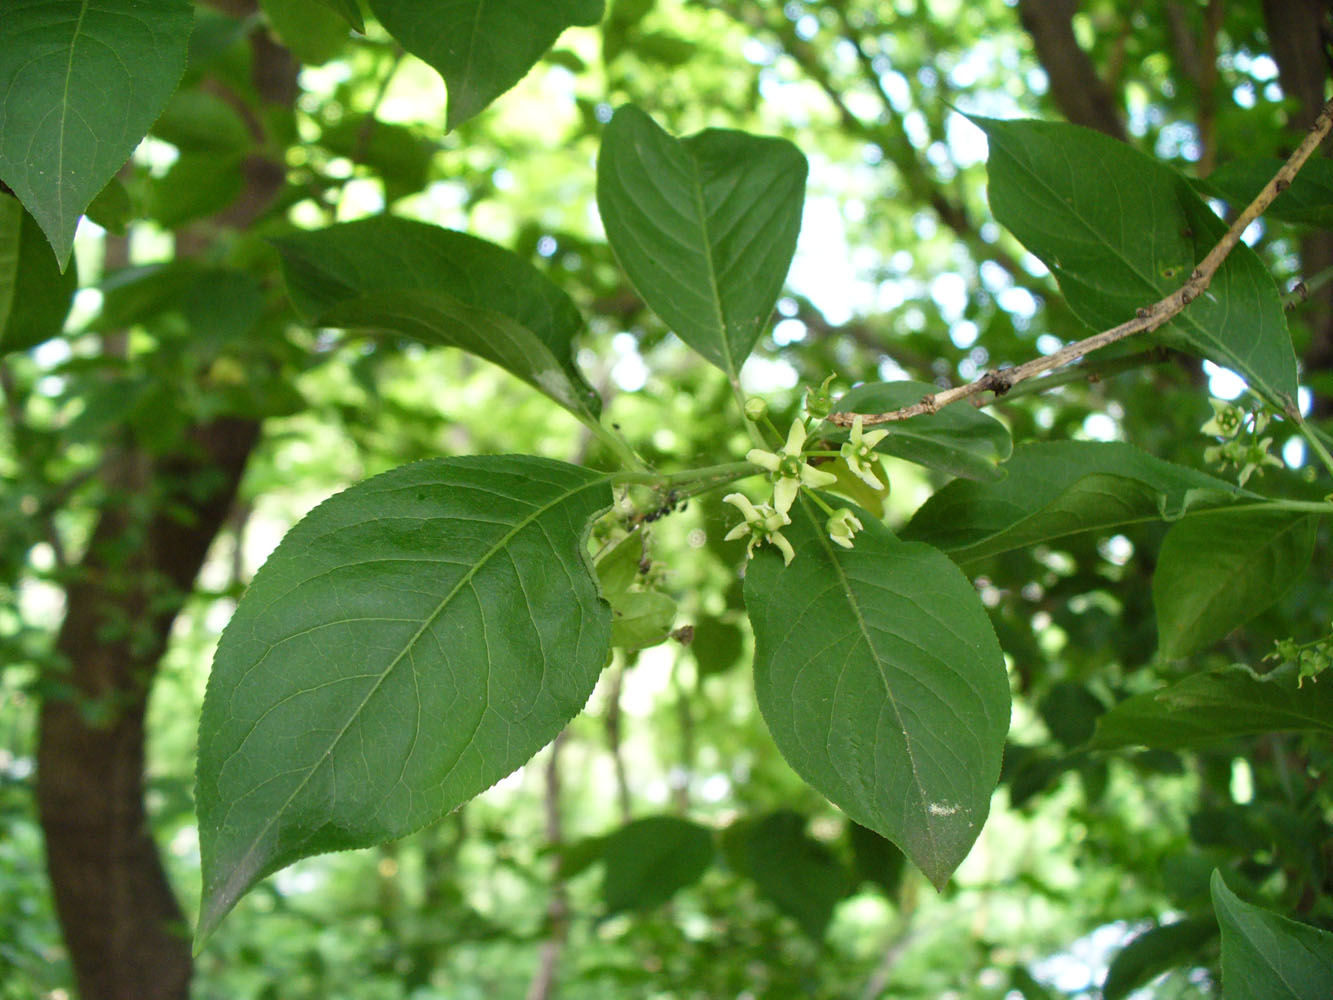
1119,230
481,48
877,860
112,209
197,185
440,287
880,679
705,227
1217,705
797,873
350,11
1268,957
310,29
958,440
34,296
1218,569
716,646
1155,951
1059,488
79,85
198,121
649,860
1070,712
413,640
1309,199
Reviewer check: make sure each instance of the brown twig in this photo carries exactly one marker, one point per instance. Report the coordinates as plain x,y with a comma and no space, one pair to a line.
1146,319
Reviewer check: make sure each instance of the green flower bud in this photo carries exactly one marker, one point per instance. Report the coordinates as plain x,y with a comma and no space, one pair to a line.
755,408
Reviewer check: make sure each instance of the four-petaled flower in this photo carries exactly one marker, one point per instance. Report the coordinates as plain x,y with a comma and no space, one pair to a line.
859,453
762,524
843,526
790,470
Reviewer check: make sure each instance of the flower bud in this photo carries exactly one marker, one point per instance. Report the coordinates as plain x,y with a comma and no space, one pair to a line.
755,408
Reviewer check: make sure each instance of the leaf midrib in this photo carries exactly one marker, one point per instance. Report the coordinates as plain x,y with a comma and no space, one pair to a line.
64,110
827,546
490,553
715,293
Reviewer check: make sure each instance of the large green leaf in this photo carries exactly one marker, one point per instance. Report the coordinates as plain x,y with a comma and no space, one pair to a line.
480,47
1217,705
958,440
1309,199
704,226
649,860
80,83
440,287
312,30
1119,230
1268,957
798,874
882,683
1218,569
349,9
34,296
1153,952
1060,488
413,640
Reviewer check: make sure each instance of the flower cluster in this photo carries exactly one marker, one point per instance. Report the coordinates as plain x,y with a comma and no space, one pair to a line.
1241,447
789,469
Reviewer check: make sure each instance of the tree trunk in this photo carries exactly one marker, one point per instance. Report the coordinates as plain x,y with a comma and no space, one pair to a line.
125,932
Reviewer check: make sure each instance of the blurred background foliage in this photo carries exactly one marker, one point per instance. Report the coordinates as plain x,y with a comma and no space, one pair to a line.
900,272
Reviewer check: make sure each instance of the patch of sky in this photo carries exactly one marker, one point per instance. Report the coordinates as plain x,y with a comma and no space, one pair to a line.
761,375
1048,343
963,334
628,371
1293,452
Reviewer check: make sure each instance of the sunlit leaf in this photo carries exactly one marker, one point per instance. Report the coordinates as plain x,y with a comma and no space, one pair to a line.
1218,569
1059,488
479,47
882,683
440,287
704,226
80,83
413,640
1268,957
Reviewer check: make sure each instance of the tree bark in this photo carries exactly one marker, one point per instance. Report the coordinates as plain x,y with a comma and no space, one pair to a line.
1300,32
125,932
1080,94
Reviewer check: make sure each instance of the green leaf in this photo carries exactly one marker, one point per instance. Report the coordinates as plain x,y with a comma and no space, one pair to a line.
309,29
400,156
1217,705
198,184
958,440
705,227
350,10
196,121
877,860
639,618
440,287
1268,957
112,209
882,683
649,860
1119,230
798,874
413,640
1218,569
80,82
1059,488
716,646
34,296
1308,201
481,48
1155,951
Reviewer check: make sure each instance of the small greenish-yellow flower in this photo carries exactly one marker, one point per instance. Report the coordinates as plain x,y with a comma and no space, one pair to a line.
790,470
1227,419
762,523
859,453
843,526
756,408
819,401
